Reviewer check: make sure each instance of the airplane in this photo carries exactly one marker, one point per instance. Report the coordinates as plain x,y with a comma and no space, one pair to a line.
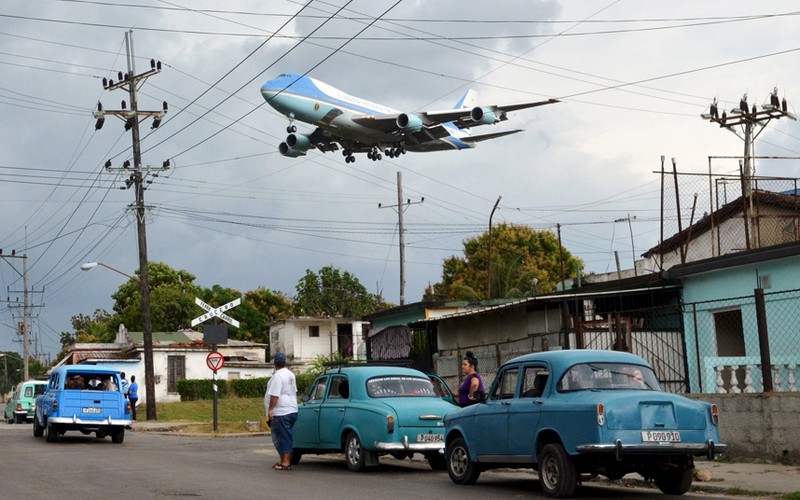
357,125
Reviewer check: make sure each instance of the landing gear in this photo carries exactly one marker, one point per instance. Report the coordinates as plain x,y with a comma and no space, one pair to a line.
348,155
396,150
291,129
374,155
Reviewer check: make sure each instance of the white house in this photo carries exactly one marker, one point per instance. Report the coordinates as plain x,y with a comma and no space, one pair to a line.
303,339
176,356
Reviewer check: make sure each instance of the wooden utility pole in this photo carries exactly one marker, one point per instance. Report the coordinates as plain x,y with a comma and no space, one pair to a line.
400,208
131,82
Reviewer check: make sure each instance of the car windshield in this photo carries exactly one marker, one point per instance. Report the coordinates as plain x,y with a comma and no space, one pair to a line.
608,376
393,386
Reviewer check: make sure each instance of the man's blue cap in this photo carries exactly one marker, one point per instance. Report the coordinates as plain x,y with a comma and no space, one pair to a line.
280,357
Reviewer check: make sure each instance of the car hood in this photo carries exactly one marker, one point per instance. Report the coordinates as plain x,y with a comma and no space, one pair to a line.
415,412
653,410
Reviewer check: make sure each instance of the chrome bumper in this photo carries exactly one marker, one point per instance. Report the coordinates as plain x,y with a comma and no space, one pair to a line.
406,446
709,448
74,420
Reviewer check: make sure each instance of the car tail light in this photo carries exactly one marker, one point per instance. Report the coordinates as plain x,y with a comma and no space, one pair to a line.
389,424
19,406
715,414
128,407
55,404
601,414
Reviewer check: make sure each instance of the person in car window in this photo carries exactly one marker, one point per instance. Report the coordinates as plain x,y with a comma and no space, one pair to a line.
471,390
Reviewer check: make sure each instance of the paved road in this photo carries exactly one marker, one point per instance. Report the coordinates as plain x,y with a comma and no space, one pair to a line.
154,465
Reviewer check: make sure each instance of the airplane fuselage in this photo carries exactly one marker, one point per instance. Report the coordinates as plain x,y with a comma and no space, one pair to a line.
308,100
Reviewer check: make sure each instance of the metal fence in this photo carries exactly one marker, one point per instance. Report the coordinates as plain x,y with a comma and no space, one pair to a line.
744,344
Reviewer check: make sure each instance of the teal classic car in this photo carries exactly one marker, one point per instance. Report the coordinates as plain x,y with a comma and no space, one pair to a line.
19,408
83,398
579,413
368,411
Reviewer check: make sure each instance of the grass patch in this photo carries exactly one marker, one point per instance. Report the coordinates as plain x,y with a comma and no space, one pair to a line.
230,411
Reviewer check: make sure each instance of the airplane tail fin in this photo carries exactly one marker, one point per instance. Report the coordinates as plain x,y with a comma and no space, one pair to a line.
468,100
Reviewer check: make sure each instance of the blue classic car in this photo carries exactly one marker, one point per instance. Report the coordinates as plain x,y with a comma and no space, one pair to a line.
368,411
580,413
83,398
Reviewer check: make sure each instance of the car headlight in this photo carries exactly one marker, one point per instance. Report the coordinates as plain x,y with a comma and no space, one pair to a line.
715,415
601,414
389,424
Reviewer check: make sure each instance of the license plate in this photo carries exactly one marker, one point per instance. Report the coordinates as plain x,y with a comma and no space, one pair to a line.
661,436
430,438
92,410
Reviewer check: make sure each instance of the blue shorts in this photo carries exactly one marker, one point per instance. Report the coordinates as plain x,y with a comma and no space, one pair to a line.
281,429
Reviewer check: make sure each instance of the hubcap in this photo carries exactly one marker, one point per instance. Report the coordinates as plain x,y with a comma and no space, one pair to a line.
458,461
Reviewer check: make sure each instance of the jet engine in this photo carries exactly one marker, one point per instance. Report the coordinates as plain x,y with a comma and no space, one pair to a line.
412,123
295,145
483,116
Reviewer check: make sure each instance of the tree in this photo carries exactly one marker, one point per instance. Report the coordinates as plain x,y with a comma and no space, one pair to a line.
525,262
172,295
330,293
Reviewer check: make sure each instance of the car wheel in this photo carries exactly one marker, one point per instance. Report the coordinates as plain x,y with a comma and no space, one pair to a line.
676,482
436,461
557,474
296,456
354,453
460,467
38,430
51,433
118,435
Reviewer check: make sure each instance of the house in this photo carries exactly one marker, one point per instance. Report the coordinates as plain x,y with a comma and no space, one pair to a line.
639,314
303,339
176,356
772,219
726,336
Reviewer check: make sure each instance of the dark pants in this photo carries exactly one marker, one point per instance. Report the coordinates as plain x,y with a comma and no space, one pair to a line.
133,402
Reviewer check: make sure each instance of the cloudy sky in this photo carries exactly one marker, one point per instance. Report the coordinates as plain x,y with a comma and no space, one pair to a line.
633,78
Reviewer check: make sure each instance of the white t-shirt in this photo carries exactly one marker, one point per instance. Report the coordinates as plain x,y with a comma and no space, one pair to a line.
284,385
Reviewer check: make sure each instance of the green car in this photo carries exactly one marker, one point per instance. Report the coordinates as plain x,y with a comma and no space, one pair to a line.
21,405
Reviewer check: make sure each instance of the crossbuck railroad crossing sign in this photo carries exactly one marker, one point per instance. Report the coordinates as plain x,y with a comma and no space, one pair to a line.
218,312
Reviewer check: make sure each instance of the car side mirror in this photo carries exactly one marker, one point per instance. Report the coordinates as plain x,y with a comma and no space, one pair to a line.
480,396
304,398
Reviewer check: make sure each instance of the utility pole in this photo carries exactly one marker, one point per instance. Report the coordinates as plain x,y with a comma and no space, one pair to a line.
401,207
489,258
747,119
131,82
25,310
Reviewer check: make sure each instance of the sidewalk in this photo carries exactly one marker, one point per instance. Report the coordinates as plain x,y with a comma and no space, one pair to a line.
739,477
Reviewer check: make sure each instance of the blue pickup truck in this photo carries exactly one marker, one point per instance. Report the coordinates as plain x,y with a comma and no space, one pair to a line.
83,398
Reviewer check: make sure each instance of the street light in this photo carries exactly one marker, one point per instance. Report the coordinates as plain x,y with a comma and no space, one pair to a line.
147,335
91,265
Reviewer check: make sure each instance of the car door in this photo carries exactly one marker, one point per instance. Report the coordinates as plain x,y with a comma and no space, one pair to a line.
306,429
491,417
333,410
524,413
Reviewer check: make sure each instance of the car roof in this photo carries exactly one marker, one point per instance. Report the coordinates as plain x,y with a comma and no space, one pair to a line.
561,360
84,369
365,372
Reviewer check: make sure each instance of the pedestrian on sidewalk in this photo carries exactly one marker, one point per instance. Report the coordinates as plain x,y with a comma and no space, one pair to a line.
280,401
133,396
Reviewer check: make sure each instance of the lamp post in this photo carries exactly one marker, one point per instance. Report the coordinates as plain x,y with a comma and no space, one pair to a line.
489,263
5,371
147,328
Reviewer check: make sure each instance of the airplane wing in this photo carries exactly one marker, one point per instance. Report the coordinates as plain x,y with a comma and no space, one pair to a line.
427,120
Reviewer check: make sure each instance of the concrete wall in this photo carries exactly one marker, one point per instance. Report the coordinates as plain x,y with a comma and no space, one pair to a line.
759,426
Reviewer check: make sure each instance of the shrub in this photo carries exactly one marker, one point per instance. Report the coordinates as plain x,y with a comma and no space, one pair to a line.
192,390
248,387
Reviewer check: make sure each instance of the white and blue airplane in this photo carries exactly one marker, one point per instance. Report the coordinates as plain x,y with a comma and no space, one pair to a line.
356,125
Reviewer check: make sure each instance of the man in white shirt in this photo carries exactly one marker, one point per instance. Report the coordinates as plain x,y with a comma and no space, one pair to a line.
280,402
